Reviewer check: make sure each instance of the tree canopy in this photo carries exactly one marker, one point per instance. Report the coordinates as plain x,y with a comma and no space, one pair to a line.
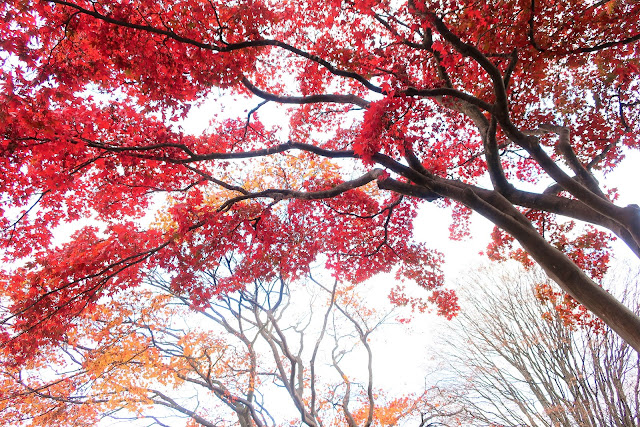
505,108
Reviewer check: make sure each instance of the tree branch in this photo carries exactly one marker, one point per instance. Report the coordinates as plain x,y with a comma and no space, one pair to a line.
454,93
226,47
283,194
310,99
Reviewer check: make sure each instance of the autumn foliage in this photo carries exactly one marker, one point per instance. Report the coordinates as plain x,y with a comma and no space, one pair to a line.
504,108
258,357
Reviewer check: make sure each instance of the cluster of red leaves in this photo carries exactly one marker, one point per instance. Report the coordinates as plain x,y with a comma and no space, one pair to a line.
382,128
571,313
90,89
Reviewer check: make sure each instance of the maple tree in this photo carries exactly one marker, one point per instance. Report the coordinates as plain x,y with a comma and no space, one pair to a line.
260,356
504,108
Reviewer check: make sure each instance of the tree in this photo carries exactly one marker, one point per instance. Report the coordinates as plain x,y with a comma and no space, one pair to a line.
262,356
475,107
534,368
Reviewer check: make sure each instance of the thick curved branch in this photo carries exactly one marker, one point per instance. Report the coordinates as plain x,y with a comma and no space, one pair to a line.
417,176
556,264
564,147
413,161
487,129
628,217
310,99
454,93
571,208
466,49
408,189
492,156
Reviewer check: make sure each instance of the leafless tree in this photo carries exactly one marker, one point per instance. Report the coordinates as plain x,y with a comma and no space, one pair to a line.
523,363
